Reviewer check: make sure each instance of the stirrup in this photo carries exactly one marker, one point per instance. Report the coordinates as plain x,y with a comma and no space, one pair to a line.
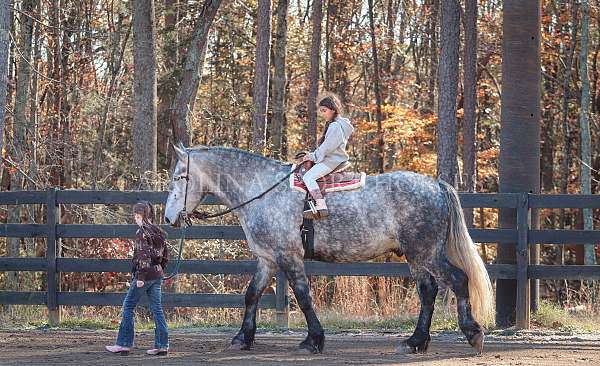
323,213
312,212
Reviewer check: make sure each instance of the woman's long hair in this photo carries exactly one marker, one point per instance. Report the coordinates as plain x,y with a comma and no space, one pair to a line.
331,101
153,232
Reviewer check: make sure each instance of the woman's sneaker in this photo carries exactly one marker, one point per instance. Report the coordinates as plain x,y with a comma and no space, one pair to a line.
157,352
123,351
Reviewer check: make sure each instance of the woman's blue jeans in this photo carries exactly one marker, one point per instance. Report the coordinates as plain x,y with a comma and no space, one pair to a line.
126,329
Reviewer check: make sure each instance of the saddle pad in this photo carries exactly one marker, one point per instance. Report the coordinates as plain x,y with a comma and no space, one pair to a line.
334,182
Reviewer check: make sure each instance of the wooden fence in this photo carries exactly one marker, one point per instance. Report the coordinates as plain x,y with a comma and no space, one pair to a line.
53,264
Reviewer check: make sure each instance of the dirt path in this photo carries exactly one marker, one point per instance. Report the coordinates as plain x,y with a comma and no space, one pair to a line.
205,346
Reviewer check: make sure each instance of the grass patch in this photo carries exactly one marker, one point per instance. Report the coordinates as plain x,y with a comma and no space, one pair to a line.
550,315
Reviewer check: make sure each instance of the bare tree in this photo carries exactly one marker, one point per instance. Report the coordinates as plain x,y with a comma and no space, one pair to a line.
183,104
5,21
469,126
279,80
315,52
261,76
117,53
376,79
144,75
20,123
434,6
584,122
167,83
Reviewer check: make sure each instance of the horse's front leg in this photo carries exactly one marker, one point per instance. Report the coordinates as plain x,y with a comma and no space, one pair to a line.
293,267
427,288
261,279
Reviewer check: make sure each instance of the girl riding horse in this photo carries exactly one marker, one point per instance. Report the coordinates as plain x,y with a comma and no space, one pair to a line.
330,153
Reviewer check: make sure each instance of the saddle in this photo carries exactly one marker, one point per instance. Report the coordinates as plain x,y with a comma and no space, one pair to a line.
338,180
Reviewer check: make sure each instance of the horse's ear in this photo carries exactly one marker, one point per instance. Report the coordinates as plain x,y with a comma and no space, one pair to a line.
180,151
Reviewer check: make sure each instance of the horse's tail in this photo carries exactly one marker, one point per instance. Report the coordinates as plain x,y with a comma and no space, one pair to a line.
462,253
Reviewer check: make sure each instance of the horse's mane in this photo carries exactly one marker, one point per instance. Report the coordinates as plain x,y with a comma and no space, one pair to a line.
238,153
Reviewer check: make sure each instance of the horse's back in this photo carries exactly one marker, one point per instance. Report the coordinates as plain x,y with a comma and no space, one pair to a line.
390,213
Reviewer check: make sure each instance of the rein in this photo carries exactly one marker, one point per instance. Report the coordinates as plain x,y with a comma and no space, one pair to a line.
202,215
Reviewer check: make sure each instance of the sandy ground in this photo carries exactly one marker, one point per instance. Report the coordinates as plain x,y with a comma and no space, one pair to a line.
207,346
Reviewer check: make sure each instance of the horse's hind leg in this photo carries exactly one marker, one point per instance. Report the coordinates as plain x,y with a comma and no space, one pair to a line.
293,267
427,288
261,279
458,281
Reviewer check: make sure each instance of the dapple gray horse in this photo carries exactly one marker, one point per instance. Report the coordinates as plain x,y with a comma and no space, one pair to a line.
400,212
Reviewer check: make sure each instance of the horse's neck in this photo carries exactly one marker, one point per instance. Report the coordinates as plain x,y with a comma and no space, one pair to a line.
237,182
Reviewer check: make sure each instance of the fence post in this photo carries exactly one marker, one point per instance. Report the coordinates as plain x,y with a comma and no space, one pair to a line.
282,309
523,289
52,251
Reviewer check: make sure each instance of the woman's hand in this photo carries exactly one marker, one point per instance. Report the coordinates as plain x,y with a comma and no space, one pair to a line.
306,158
140,283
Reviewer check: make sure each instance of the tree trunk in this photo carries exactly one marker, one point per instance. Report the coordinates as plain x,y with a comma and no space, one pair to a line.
392,15
584,122
469,152
279,80
20,124
566,130
315,52
183,104
55,160
565,166
5,21
68,95
433,53
448,82
167,83
33,113
260,90
520,128
144,89
378,114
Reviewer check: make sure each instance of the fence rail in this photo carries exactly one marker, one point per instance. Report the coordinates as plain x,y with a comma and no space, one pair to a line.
521,236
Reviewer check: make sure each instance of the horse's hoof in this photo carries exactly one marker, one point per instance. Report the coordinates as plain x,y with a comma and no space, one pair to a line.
405,348
238,347
310,347
234,347
304,351
477,342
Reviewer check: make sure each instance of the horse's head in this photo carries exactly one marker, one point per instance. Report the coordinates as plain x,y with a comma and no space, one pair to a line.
186,188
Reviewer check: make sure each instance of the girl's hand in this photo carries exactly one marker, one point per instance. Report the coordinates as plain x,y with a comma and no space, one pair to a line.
305,158
140,283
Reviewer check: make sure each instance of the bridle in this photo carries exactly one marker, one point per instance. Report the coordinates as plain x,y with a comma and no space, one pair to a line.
202,215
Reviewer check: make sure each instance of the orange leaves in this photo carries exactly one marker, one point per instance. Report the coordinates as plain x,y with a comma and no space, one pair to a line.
409,131
489,154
